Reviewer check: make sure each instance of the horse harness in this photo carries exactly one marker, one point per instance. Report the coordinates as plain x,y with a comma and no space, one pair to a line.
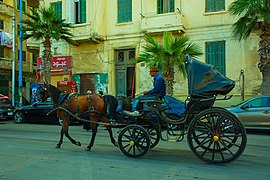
68,97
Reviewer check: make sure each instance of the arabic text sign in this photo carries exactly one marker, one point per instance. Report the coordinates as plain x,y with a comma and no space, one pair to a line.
57,62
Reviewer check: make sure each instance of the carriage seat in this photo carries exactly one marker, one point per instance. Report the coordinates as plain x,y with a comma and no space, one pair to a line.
197,104
147,101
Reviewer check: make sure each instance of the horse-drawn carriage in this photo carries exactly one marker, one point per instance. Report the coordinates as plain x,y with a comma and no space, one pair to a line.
213,134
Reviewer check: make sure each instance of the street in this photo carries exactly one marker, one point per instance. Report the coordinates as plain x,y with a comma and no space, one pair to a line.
28,152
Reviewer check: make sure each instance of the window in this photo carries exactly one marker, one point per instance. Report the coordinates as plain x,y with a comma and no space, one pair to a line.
76,11
214,5
58,8
124,11
1,51
23,5
23,55
80,11
215,55
260,102
165,6
1,24
34,58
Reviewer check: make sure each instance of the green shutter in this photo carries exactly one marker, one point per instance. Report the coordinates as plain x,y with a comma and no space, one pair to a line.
23,5
82,11
58,8
159,6
171,6
215,55
214,5
124,11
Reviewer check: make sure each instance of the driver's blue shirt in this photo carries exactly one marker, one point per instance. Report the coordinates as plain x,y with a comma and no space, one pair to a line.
159,86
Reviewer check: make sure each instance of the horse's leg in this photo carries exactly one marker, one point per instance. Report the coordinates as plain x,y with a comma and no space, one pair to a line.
94,132
58,145
64,130
111,135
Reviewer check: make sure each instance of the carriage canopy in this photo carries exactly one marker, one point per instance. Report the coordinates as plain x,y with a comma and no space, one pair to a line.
206,81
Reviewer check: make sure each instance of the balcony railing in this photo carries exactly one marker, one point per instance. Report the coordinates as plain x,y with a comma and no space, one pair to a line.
160,22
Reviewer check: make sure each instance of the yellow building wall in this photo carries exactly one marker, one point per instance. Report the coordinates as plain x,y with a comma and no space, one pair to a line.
189,18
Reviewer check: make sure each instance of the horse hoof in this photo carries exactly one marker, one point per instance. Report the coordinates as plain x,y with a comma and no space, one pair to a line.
88,149
78,143
116,144
57,146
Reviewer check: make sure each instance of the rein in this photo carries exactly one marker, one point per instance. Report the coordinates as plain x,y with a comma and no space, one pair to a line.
82,119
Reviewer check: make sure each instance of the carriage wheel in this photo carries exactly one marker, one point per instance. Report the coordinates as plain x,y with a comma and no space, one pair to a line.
216,136
134,141
154,134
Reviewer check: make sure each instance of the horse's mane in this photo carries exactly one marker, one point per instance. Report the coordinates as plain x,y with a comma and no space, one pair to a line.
55,93
112,102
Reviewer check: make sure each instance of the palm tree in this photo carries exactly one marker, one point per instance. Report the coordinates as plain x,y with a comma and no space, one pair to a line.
44,24
169,55
254,15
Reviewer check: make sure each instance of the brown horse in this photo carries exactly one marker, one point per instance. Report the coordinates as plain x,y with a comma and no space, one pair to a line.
91,108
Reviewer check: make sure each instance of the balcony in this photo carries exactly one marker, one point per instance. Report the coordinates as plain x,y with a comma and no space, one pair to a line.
163,22
6,9
85,33
32,44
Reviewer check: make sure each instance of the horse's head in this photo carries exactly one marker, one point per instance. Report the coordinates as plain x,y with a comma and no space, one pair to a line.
44,93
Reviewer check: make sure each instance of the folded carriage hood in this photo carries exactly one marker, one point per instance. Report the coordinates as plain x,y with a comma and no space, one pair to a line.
205,80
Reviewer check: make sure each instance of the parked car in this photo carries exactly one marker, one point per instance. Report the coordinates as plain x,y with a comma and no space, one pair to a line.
37,113
6,109
253,113
175,106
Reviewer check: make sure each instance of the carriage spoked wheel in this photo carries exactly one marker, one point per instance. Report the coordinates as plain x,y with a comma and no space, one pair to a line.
216,136
134,141
154,134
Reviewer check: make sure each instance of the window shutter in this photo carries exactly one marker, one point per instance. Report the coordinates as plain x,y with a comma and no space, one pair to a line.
82,11
215,55
159,6
171,6
124,11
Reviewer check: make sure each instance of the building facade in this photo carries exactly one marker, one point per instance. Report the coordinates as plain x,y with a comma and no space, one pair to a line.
110,37
9,13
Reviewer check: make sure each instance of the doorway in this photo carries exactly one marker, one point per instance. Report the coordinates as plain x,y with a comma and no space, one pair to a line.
125,72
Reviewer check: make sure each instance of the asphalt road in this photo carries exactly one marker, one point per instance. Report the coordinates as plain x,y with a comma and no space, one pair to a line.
27,151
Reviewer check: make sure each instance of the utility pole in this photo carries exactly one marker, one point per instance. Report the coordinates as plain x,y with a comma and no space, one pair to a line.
20,56
13,59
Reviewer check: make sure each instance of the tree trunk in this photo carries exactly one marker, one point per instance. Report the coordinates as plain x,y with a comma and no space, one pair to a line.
169,79
266,81
47,58
169,85
264,53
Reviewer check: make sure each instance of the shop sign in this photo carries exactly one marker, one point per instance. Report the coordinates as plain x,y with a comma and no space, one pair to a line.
58,62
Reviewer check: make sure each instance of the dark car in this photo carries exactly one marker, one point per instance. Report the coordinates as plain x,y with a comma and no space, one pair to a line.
37,113
253,113
6,109
175,106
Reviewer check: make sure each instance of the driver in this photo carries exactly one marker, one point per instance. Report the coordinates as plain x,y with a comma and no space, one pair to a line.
159,84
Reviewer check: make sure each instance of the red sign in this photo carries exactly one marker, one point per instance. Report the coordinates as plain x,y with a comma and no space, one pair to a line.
57,62
67,86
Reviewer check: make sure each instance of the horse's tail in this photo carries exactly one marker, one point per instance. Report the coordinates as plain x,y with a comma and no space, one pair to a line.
112,104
